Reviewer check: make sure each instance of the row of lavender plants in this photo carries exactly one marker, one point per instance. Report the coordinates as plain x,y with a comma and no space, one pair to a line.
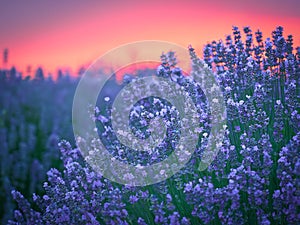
34,115
254,179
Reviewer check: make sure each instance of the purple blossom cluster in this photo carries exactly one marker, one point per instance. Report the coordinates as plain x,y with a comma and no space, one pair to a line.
75,196
254,179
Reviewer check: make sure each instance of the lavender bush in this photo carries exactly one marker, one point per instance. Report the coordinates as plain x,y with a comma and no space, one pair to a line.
255,178
35,114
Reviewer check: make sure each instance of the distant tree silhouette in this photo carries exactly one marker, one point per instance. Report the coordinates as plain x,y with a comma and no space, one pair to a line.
60,74
5,57
28,70
13,73
81,71
39,74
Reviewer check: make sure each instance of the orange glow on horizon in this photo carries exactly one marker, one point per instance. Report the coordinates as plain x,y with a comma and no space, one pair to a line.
133,69
80,40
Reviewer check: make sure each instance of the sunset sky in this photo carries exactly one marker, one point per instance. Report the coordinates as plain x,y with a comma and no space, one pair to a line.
70,33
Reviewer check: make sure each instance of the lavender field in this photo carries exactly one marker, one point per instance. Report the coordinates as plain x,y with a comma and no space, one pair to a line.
255,178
